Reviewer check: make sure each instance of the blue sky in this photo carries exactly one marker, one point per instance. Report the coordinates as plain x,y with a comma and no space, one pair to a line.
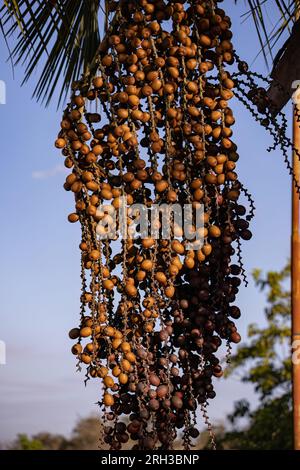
39,289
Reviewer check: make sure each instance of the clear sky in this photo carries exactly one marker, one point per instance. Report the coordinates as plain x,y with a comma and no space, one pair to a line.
39,269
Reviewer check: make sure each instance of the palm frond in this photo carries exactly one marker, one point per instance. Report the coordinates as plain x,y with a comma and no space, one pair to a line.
13,7
283,12
61,36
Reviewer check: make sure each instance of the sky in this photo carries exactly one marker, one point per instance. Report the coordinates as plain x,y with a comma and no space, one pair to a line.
40,389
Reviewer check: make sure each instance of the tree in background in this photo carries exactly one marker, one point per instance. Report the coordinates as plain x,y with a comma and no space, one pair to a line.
23,442
265,362
85,436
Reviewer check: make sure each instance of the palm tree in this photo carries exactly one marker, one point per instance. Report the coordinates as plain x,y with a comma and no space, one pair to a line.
61,37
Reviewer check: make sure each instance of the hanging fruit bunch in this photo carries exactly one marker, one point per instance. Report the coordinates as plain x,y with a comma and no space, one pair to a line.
151,123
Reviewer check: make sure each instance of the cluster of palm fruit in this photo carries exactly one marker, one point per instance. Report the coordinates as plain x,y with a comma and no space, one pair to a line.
153,311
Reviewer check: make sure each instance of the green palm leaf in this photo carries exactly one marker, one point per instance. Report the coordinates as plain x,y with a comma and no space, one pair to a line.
60,36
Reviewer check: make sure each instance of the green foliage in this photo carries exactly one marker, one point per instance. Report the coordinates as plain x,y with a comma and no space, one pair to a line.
23,442
52,441
270,426
267,353
265,362
85,436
